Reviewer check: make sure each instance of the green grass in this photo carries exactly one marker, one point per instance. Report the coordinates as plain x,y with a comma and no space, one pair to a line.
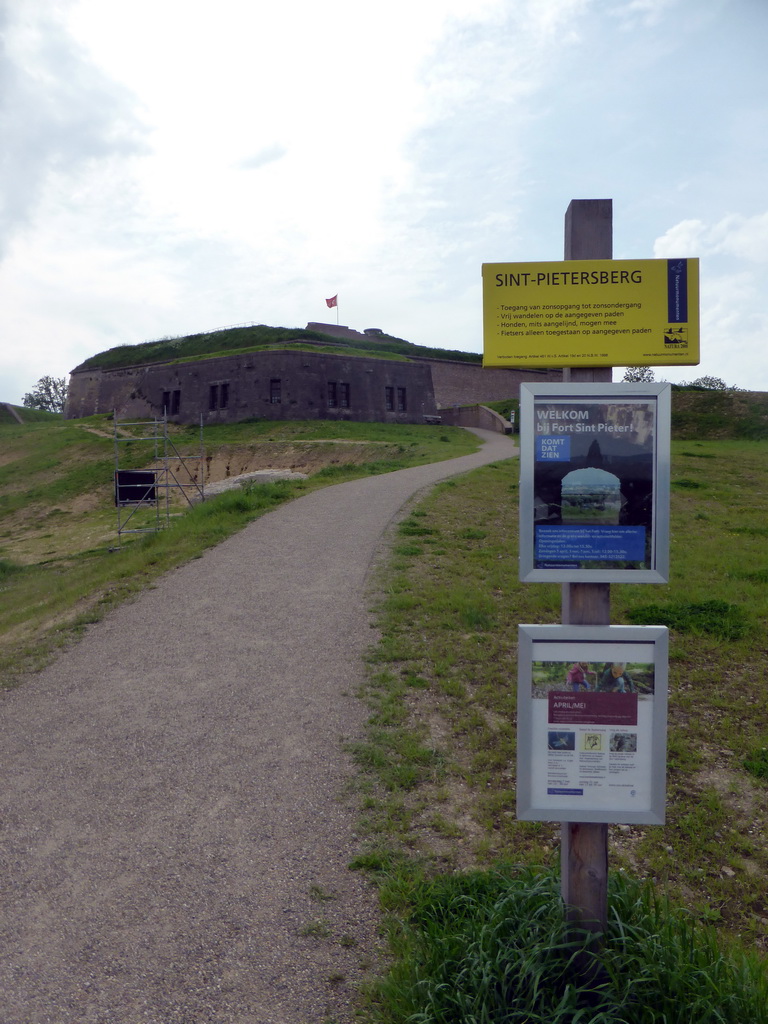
197,346
706,618
493,947
27,415
59,569
757,761
505,407
48,603
443,680
738,415
247,339
295,346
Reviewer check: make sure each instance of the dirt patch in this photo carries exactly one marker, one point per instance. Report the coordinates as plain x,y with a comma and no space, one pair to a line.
230,465
38,532
83,503
7,457
300,456
748,800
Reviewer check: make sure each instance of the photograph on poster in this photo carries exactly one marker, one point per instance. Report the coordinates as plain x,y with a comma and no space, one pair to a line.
592,723
582,676
592,484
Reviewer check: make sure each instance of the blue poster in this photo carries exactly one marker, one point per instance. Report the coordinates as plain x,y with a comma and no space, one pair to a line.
559,544
593,482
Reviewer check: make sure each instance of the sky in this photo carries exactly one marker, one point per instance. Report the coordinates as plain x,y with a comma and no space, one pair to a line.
170,167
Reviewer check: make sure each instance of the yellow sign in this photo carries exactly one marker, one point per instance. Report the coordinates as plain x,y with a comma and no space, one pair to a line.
591,313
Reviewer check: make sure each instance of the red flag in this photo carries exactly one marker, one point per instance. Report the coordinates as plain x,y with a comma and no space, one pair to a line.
330,303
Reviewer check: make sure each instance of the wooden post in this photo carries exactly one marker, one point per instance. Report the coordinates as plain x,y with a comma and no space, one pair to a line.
589,229
584,846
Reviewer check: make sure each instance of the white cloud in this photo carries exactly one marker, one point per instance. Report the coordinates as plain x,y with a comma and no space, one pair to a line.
173,167
735,235
683,239
58,113
647,12
267,155
742,237
734,321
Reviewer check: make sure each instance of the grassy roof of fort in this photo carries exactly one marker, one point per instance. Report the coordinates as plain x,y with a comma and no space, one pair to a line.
260,337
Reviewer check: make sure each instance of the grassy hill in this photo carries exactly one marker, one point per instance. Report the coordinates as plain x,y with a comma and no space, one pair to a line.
719,414
27,415
258,338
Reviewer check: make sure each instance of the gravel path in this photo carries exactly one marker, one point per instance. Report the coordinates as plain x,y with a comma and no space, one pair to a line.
174,829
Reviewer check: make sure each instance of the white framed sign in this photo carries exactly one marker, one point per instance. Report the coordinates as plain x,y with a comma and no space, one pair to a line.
594,482
592,723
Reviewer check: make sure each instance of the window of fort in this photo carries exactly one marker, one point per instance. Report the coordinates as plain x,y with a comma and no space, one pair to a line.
332,394
402,405
344,396
389,399
218,396
275,391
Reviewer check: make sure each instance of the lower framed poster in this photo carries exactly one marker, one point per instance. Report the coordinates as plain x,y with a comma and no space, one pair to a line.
592,723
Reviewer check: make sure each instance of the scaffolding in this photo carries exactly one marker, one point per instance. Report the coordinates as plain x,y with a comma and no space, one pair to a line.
167,483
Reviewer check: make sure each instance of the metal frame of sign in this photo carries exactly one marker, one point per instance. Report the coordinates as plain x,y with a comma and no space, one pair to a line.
594,482
592,749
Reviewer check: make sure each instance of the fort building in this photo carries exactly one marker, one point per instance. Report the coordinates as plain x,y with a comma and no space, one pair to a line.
311,377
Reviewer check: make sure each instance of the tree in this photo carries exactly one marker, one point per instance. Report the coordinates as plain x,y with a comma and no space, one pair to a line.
49,394
639,375
709,384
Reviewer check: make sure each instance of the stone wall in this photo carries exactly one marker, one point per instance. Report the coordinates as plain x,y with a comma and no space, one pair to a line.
458,383
269,385
338,331
475,416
